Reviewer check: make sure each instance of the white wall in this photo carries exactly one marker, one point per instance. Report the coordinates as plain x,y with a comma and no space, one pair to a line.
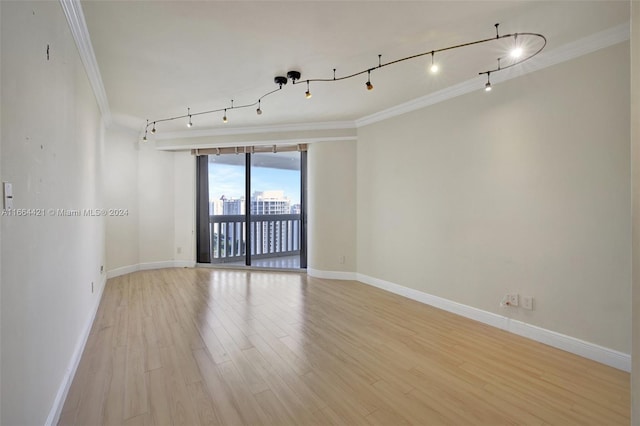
51,152
0,225
155,204
635,165
332,206
157,188
525,189
184,193
121,192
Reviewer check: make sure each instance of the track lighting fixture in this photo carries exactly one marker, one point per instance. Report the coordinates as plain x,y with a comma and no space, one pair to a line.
517,53
307,93
487,87
517,50
434,67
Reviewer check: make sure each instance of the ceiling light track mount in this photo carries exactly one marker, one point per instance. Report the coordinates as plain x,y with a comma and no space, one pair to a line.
518,56
280,80
294,76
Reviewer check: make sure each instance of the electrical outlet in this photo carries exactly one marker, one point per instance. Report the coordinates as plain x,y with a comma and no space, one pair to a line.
341,260
512,299
527,302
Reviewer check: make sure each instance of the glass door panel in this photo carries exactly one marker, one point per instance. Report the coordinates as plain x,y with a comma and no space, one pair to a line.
227,208
275,210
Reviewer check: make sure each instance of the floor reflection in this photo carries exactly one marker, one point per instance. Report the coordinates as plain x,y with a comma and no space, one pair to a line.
284,262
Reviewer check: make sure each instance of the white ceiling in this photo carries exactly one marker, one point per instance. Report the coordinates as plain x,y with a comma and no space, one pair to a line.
159,57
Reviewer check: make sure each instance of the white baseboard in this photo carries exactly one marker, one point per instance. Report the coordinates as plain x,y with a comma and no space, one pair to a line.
155,265
112,273
610,357
63,390
124,270
332,275
184,264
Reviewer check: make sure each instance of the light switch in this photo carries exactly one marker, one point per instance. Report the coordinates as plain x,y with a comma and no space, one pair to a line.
8,195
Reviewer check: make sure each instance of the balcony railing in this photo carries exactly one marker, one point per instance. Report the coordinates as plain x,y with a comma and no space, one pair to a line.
272,235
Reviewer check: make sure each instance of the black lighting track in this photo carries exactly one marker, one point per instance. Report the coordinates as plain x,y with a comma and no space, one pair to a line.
295,76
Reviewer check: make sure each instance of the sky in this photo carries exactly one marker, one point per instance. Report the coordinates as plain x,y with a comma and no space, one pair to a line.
228,180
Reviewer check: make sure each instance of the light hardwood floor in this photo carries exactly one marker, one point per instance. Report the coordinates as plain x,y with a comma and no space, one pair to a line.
202,346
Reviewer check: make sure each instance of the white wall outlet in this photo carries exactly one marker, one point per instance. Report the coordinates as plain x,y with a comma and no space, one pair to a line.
341,260
527,302
509,299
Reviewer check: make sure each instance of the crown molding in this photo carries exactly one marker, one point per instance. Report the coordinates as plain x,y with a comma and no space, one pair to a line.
75,18
563,53
300,127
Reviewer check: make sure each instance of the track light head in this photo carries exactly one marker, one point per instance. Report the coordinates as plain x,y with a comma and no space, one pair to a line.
153,130
259,111
144,138
434,67
307,94
189,124
224,118
487,86
517,51
368,83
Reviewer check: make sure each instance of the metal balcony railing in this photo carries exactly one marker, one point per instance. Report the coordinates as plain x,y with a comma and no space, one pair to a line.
272,235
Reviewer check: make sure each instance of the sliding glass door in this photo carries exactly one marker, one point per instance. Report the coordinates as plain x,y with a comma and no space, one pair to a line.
227,209
275,225
255,212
